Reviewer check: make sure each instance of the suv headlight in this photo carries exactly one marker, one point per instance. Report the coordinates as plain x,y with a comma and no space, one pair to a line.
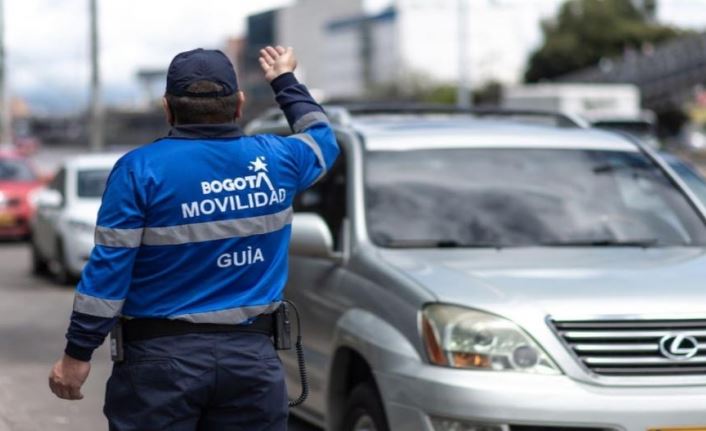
463,338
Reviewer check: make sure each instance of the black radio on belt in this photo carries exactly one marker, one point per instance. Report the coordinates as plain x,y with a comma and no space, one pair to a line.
117,352
282,328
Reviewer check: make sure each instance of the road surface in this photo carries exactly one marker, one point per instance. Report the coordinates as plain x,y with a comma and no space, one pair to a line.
34,314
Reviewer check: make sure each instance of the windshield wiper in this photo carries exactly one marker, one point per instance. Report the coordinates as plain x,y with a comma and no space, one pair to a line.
438,243
647,242
608,168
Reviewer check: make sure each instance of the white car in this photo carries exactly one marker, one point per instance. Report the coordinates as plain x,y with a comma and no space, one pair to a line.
64,223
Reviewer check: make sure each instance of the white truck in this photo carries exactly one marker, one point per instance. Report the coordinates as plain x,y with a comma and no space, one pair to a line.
608,106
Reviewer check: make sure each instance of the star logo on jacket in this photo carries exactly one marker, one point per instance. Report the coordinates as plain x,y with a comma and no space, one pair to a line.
258,165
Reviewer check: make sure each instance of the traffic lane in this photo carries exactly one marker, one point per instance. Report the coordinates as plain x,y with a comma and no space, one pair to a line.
34,313
33,317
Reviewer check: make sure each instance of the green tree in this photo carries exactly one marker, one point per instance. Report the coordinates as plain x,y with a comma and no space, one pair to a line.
585,31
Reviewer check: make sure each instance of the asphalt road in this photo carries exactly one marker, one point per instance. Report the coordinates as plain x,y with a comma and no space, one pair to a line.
34,314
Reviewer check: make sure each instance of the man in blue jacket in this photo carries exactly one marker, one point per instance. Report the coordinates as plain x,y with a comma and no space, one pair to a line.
191,255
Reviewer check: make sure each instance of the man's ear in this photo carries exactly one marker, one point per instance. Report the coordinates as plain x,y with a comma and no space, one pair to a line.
239,104
168,111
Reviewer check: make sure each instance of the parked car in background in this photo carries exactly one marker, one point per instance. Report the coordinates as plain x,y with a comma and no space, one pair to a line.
65,220
459,273
18,181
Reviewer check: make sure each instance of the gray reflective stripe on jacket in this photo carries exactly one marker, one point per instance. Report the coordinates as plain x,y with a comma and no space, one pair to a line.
308,120
194,232
232,316
215,230
116,237
99,307
311,143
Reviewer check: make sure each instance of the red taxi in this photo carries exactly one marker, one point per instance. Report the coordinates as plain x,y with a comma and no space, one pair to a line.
18,180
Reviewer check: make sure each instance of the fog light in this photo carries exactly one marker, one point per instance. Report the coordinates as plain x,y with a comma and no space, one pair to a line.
443,424
525,357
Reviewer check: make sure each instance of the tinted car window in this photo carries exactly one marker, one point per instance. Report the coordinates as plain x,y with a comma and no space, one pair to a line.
524,197
328,199
15,170
91,183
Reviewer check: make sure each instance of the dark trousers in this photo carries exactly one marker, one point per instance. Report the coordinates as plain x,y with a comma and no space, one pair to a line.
198,382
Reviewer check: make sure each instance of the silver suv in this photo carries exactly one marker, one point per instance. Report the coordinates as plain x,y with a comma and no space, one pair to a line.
457,273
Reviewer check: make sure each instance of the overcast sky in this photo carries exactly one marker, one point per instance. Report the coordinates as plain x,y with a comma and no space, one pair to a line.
47,40
48,50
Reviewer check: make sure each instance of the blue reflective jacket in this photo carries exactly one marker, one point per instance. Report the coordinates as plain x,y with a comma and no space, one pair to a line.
196,226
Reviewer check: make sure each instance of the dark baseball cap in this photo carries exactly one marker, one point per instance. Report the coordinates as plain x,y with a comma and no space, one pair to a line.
201,65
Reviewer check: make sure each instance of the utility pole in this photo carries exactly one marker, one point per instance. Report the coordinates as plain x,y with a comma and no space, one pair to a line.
5,126
463,95
96,107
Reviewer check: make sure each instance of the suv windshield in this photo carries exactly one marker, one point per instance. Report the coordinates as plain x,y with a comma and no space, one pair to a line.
15,170
480,197
91,183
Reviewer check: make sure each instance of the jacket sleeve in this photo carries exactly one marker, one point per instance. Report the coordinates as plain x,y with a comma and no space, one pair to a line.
313,144
106,278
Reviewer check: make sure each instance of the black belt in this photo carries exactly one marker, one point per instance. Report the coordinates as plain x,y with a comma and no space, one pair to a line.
144,329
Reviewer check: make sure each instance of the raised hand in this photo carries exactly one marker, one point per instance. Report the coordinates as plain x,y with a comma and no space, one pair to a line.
277,61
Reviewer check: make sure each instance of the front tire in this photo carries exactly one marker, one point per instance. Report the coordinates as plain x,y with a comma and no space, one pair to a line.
364,410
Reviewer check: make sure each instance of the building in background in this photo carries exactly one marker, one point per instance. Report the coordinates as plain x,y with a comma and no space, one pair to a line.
303,25
348,53
260,33
366,53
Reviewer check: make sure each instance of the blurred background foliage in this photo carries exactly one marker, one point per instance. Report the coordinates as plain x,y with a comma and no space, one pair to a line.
586,31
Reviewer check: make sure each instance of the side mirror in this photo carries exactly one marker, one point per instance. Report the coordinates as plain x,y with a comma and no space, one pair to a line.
311,237
49,198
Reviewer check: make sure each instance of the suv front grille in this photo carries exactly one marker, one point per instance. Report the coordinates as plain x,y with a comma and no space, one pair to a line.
637,347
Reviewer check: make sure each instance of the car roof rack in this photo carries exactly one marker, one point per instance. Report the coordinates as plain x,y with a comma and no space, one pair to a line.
344,114
561,119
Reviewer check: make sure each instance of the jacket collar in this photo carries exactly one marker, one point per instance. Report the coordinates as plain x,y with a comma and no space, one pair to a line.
205,131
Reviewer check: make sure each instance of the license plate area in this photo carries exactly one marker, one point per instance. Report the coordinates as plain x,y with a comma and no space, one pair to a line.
6,220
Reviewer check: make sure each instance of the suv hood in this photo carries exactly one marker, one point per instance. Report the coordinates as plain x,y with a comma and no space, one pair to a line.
562,281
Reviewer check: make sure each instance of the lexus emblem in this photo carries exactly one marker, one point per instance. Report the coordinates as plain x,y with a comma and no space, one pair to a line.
678,347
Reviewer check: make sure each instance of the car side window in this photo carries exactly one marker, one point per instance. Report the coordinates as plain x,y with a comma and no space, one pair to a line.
327,198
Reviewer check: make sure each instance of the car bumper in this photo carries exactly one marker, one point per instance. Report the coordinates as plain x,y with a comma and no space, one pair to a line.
515,400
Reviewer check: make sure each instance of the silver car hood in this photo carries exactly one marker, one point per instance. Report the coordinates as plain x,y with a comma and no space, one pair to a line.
562,282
